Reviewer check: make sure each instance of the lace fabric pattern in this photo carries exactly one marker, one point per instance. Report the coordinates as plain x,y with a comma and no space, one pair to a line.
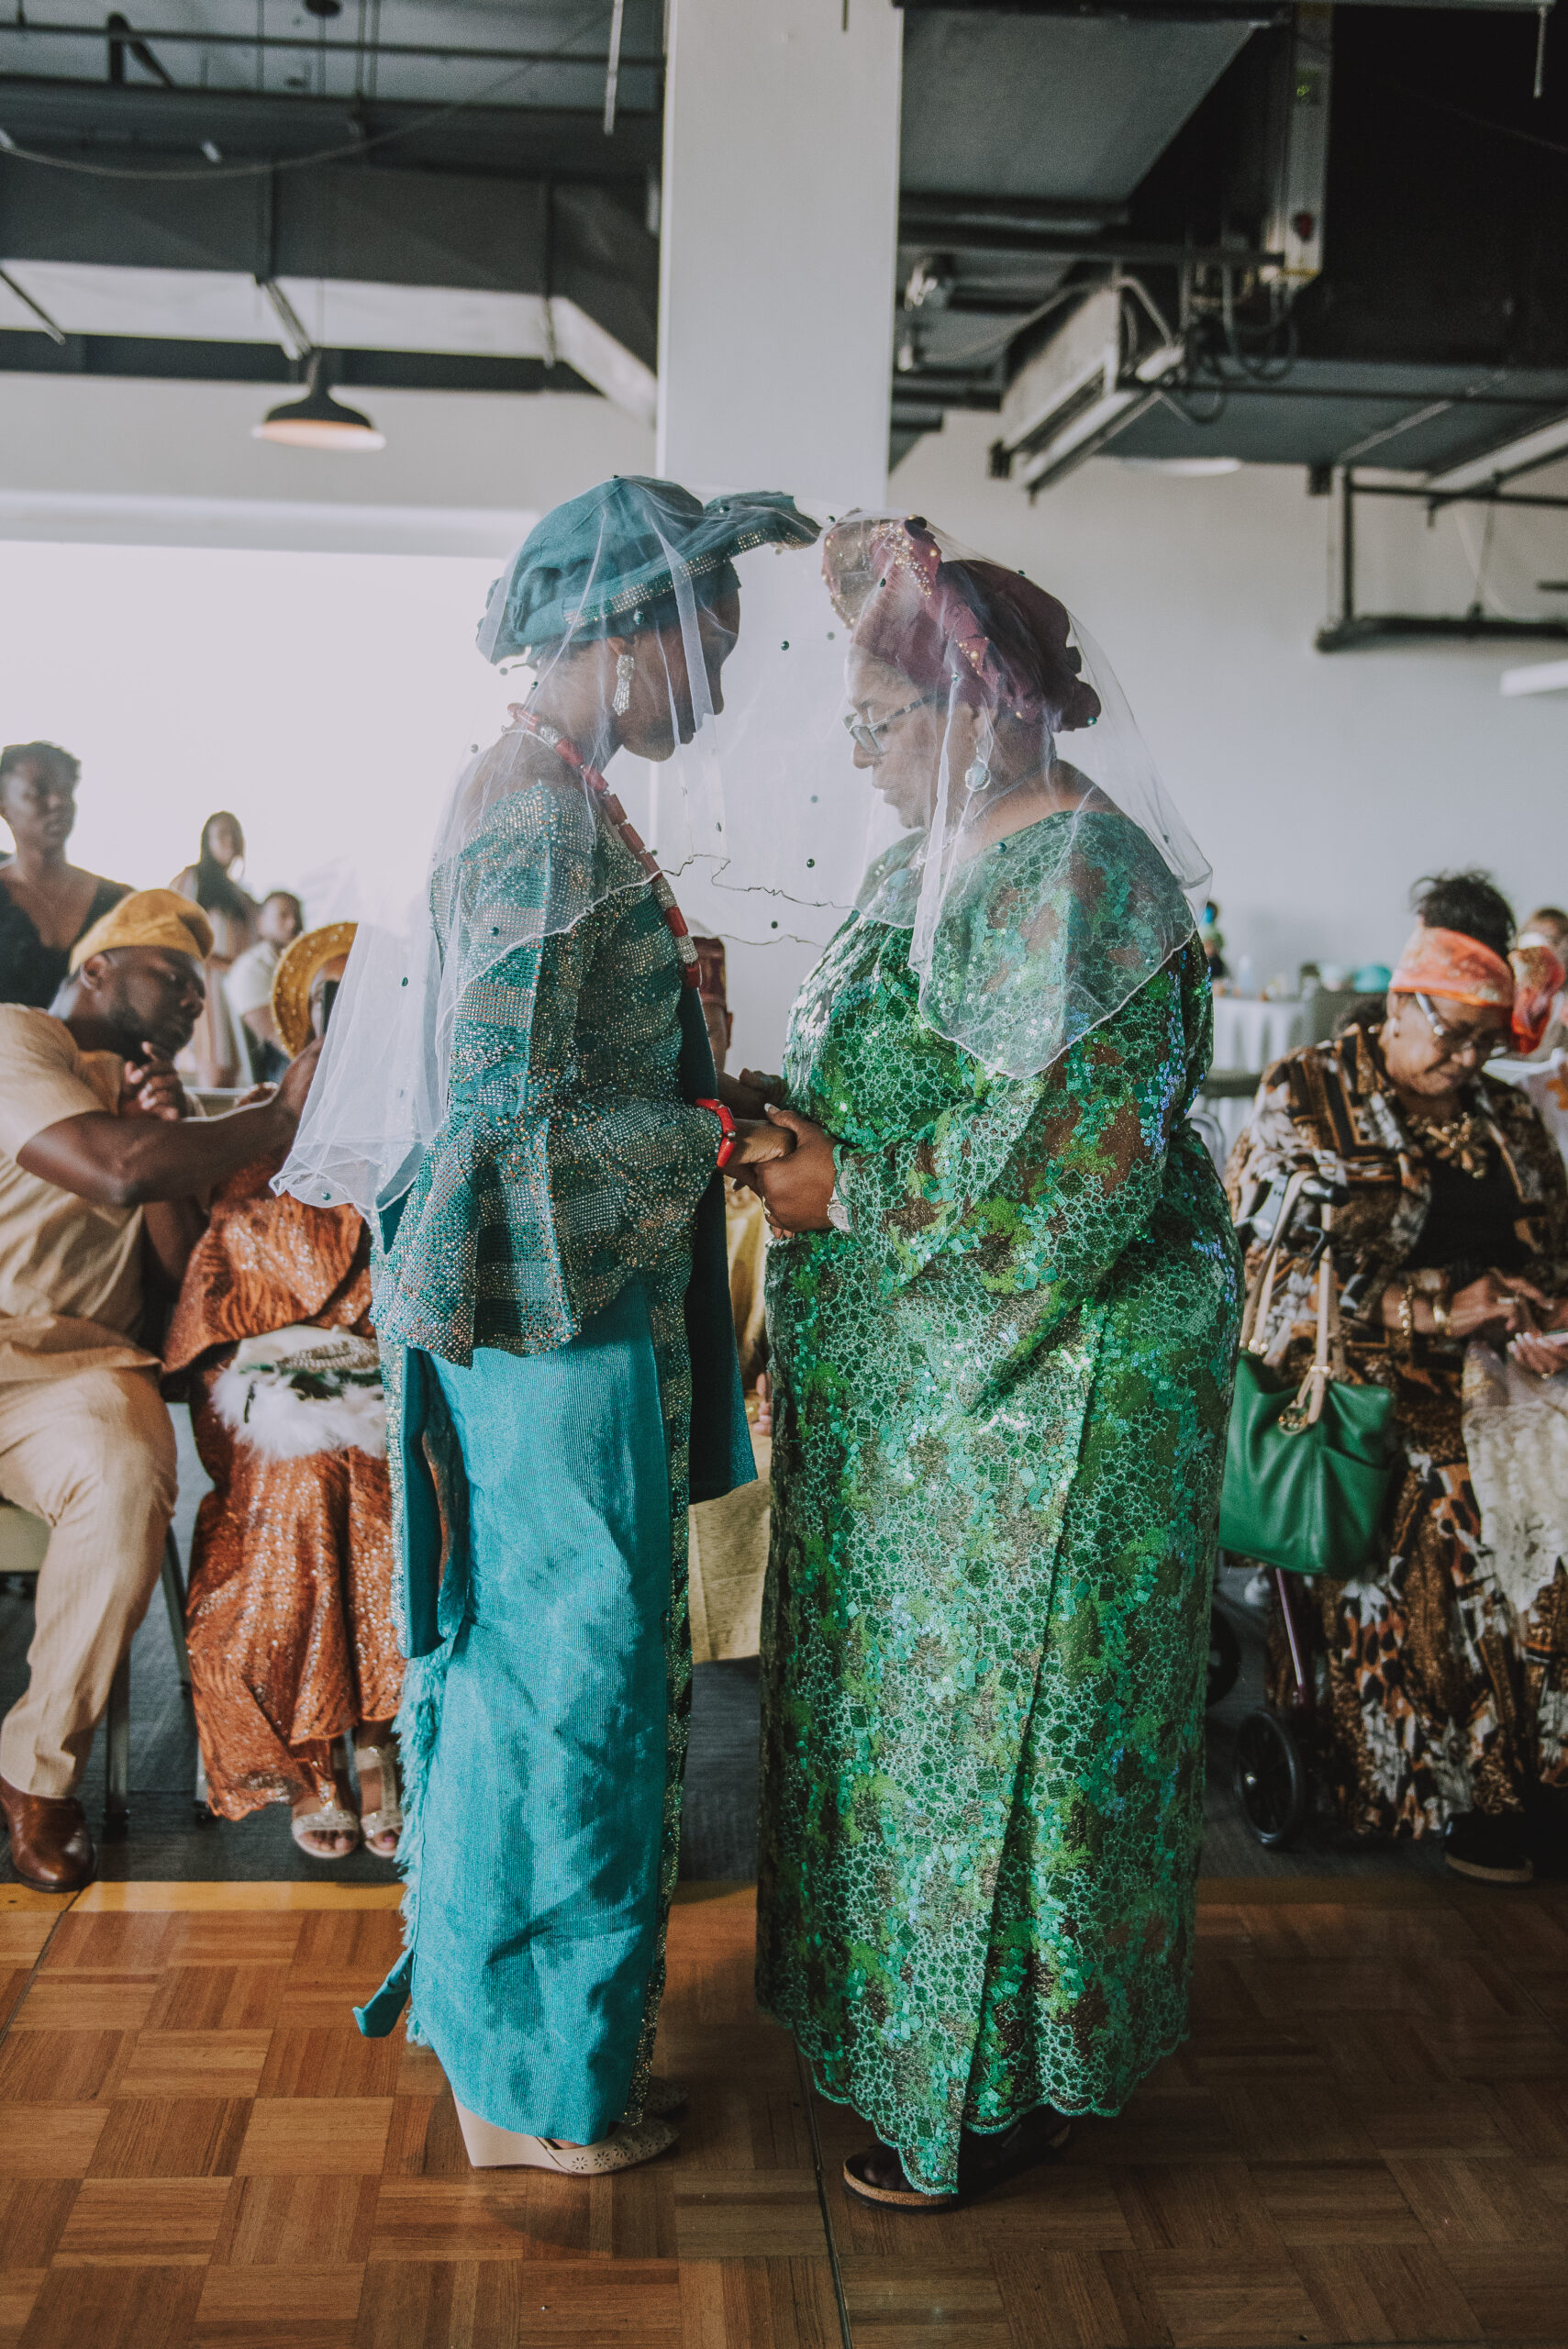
1001,1399
569,1162
569,1159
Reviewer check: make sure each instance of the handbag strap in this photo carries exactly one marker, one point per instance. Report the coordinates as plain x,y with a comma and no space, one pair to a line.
1314,1385
1256,1316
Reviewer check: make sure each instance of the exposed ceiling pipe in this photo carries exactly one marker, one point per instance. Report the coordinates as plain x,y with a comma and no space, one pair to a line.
612,70
927,212
55,333
451,52
294,339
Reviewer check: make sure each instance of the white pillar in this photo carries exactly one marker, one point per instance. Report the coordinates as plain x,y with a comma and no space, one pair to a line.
778,232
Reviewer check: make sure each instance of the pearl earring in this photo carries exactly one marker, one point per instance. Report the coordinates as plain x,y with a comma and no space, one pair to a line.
626,669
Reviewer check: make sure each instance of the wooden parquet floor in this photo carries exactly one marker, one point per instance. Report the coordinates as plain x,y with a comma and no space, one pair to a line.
1364,2140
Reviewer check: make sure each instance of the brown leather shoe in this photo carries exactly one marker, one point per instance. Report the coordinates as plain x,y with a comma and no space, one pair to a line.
50,1844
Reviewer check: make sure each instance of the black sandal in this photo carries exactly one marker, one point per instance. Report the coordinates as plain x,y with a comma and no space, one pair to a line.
985,2163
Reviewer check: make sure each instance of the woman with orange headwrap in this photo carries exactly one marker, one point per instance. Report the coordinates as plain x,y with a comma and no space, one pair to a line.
1447,1664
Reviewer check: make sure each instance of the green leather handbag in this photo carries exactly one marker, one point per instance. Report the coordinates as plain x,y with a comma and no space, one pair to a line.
1307,1467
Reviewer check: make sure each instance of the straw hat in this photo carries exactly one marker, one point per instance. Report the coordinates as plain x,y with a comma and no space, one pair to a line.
295,975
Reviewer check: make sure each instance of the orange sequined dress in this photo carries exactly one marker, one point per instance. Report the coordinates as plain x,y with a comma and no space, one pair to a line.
290,1616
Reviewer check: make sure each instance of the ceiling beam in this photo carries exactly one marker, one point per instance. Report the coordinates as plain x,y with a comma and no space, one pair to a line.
166,358
352,223
168,128
449,52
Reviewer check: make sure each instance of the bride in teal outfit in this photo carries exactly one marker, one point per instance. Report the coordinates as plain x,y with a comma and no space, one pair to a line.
521,1096
1003,1315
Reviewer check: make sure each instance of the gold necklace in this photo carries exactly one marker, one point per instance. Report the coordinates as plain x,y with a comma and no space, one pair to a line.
1460,1141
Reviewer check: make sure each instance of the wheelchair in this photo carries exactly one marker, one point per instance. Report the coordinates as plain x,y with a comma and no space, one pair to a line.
1269,1774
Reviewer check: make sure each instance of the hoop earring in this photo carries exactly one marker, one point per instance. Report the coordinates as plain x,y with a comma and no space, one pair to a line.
626,669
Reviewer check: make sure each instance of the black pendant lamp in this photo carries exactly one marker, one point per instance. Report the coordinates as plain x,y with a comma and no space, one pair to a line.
318,421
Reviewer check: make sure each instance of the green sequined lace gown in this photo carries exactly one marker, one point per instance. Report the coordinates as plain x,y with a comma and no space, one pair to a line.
1000,1424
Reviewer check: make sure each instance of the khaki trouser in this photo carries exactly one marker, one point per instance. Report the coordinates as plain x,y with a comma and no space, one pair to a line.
94,1454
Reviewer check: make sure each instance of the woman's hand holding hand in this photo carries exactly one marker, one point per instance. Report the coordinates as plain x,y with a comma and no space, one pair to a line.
757,1143
1493,1303
1537,1312
739,1095
766,1088
795,1189
1537,1354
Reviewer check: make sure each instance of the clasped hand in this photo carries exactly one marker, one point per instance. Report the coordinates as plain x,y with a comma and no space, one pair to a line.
795,1178
153,1089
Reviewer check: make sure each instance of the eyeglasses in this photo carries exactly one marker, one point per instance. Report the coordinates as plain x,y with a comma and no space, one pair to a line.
1457,1041
867,733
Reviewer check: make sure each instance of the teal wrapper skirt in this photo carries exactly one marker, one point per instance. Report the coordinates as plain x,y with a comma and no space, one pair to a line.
541,1807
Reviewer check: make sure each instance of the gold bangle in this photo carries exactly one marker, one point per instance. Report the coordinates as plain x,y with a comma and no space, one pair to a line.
1439,1313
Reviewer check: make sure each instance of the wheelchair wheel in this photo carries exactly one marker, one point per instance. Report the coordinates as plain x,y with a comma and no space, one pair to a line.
1224,1656
1270,1780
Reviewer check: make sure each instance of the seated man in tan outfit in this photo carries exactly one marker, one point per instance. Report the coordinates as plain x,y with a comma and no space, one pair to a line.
99,1172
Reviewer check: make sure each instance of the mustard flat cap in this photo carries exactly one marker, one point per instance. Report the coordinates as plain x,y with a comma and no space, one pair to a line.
148,918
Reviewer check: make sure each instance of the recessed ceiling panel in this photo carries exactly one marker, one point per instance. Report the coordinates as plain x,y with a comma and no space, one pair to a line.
1055,107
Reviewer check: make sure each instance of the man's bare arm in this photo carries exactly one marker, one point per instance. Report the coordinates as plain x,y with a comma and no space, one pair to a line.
128,1162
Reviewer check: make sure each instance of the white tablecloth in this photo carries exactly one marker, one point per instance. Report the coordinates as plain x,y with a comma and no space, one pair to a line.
1249,1034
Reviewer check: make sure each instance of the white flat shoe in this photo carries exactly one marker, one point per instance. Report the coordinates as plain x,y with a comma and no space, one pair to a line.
490,2147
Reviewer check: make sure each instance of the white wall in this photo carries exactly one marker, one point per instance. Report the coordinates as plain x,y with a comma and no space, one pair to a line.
208,621
1319,787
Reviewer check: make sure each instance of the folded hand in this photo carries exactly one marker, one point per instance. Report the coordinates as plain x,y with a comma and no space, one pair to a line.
796,1190
756,1142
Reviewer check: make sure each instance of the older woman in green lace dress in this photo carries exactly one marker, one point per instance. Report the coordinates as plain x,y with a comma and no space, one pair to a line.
1003,1334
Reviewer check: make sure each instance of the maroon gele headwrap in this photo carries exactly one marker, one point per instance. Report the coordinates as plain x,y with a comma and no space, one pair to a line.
989,636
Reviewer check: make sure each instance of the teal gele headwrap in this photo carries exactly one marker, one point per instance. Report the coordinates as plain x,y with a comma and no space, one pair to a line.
610,559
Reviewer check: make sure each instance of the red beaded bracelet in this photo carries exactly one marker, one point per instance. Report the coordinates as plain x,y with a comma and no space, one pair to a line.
726,1147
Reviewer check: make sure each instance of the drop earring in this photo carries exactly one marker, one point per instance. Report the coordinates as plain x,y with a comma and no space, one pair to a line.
626,669
977,776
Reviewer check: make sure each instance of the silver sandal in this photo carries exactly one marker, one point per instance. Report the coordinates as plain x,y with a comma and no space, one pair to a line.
331,1820
388,1820
490,2146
